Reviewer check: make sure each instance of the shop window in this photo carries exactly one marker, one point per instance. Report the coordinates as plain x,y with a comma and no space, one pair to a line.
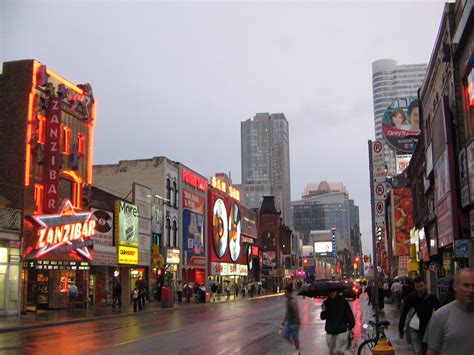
175,198
168,232
81,144
175,234
39,196
66,140
3,255
168,189
41,134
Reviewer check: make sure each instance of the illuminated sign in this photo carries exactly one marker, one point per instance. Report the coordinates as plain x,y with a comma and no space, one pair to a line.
470,88
228,269
52,156
324,248
127,255
173,256
194,180
126,223
229,189
68,230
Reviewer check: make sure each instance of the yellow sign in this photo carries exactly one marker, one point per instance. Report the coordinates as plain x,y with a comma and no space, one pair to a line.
127,255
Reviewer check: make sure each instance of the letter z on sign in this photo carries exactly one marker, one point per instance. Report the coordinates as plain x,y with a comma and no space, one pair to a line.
379,191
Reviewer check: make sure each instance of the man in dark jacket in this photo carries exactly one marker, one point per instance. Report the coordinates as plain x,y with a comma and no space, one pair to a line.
423,305
339,320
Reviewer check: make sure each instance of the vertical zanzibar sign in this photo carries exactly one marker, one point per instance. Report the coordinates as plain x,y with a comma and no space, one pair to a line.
52,156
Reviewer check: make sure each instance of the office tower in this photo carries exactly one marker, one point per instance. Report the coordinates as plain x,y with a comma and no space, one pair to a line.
266,162
389,82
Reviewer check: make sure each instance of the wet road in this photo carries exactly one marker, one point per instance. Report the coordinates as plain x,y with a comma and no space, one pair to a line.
248,327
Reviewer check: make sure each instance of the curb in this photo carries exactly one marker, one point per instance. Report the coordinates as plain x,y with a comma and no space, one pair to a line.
110,316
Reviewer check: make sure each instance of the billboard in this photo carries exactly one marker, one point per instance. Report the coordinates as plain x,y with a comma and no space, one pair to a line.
323,248
401,124
104,228
402,217
126,223
249,223
193,230
269,259
234,232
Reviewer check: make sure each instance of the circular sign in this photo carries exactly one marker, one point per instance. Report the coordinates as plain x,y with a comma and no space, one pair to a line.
401,124
219,228
379,189
377,146
234,232
104,221
379,207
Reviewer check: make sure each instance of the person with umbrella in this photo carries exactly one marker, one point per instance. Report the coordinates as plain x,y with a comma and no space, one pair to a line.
340,320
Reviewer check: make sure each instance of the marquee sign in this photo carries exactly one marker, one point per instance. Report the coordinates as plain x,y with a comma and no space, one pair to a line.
66,231
52,155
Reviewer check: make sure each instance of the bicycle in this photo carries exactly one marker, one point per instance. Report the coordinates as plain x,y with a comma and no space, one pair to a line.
371,338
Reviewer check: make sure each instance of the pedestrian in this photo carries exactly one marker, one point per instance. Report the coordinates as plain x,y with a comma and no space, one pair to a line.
202,293
236,290
291,322
368,291
136,299
252,290
188,291
396,289
339,322
450,327
179,292
214,291
72,295
227,291
381,296
117,294
422,305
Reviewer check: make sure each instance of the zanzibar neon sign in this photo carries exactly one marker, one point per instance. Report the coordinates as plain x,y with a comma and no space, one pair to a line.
64,229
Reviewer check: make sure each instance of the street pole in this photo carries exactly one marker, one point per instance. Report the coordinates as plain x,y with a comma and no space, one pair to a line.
375,291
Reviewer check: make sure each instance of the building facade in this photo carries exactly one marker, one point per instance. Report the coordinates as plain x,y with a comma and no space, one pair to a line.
265,154
390,82
46,135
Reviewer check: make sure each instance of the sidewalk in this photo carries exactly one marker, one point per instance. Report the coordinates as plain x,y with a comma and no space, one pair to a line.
392,315
80,315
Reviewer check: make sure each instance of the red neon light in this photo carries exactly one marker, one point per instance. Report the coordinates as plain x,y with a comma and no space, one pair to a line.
41,136
194,180
254,251
39,197
81,144
64,81
91,140
29,118
63,229
66,140
63,284
470,88
77,188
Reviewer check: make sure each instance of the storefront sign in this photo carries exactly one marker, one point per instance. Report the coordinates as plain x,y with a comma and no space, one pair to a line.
444,221
104,231
227,269
104,255
198,262
249,223
127,255
52,156
194,180
126,223
173,256
193,202
68,230
228,189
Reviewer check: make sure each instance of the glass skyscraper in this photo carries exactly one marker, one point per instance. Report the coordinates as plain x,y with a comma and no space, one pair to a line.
266,161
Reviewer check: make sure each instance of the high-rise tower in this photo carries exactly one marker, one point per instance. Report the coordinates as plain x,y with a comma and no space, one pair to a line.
266,161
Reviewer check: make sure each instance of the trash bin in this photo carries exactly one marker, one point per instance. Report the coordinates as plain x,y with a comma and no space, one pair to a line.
167,299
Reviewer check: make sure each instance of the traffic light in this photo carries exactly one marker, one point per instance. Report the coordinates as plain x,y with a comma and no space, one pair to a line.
357,259
305,261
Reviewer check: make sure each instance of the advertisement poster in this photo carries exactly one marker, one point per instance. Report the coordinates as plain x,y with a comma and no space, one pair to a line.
401,124
104,231
193,230
126,223
402,161
269,259
249,223
403,220
442,183
234,232
220,228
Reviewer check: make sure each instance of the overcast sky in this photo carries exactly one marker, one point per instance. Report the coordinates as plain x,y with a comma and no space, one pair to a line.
176,79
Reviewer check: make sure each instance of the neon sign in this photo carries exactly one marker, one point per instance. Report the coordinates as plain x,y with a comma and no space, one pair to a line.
64,229
229,189
194,180
470,88
53,157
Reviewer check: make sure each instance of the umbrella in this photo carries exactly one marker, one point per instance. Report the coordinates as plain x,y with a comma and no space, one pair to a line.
321,288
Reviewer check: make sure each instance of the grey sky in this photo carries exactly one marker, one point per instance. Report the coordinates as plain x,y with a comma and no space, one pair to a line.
176,79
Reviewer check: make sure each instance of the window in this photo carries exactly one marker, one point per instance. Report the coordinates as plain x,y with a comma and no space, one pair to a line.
175,199
168,189
168,232
70,187
66,140
39,196
175,233
41,133
81,144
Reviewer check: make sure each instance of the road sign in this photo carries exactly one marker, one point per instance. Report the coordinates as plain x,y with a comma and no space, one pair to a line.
379,213
377,153
379,173
380,191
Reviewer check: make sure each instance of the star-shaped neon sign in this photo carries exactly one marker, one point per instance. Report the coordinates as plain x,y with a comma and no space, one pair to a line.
65,229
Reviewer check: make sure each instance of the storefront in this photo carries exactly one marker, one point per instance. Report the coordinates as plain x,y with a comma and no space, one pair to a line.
57,252
227,255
